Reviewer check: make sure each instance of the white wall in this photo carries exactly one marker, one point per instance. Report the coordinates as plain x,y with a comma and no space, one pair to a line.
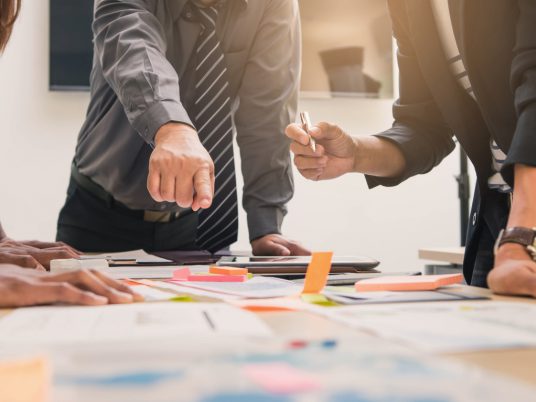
38,132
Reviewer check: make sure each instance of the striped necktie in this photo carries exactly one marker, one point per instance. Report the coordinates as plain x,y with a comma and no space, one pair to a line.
218,225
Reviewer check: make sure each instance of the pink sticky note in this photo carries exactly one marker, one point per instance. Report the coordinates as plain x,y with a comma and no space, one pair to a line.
181,274
217,278
281,378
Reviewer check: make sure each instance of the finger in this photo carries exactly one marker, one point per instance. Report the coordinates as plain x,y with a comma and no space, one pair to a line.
87,280
153,184
65,250
184,190
203,190
311,174
45,256
296,133
51,245
297,249
274,248
305,162
62,292
117,285
167,187
305,150
20,259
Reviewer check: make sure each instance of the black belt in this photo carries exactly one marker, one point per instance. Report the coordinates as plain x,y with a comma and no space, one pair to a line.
97,191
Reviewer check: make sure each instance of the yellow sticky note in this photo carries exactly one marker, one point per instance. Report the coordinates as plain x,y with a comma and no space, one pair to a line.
317,273
25,380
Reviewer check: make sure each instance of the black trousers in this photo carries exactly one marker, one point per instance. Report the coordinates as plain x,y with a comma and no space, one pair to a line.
488,217
90,224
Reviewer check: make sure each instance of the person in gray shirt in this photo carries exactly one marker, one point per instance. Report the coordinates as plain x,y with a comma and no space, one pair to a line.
172,81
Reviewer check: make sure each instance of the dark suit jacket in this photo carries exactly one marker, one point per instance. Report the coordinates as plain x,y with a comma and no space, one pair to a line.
497,40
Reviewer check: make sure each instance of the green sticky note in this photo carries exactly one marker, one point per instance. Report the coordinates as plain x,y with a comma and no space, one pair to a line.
318,299
181,299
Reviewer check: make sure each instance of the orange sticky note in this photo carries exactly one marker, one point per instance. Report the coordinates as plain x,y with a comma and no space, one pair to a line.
25,380
216,278
214,269
407,283
317,273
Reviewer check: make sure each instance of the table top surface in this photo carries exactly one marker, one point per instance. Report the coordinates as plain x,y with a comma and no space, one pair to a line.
451,255
514,363
519,364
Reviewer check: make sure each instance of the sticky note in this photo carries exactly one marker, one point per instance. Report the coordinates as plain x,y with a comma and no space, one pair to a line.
181,274
281,378
407,283
317,273
227,270
318,299
25,380
216,278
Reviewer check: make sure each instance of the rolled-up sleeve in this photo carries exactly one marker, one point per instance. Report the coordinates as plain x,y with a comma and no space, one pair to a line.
268,102
131,47
523,82
419,129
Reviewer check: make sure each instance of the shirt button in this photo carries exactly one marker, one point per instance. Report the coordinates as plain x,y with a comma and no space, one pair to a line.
474,219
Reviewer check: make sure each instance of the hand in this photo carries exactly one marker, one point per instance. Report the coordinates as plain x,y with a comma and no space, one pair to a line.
335,151
33,253
514,272
21,287
180,168
275,244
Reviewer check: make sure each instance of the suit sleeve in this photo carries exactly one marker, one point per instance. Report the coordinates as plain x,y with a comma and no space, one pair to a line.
268,102
131,48
523,82
419,129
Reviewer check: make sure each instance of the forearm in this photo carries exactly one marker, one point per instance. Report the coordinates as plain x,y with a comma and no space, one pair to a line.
378,157
523,210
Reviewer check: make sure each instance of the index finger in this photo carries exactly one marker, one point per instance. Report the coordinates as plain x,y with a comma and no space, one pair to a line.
296,133
203,189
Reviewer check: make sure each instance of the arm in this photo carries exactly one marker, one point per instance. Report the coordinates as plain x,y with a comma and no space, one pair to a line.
514,271
268,102
130,46
418,140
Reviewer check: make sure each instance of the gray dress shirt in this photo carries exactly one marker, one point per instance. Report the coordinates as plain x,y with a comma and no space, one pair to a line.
142,78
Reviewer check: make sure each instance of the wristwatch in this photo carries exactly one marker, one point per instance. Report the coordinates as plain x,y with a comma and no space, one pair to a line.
519,235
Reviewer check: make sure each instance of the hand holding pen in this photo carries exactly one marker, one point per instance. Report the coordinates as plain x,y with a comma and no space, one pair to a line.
323,151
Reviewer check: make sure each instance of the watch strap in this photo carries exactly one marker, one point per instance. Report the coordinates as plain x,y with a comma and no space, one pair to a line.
519,235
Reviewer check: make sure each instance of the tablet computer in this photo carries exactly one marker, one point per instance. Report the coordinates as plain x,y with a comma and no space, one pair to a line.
296,264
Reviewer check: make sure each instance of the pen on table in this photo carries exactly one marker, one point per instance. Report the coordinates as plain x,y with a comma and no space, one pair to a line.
306,123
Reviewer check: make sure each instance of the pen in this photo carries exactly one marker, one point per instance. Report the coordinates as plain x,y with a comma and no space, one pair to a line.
306,123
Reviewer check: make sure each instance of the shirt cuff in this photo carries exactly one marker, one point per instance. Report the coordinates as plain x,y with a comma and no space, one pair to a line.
265,220
157,115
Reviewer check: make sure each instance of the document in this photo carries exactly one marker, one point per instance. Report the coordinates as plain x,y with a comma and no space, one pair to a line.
446,326
143,321
270,370
258,287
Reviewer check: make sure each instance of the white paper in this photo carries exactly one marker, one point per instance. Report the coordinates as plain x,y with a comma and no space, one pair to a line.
257,287
142,321
446,326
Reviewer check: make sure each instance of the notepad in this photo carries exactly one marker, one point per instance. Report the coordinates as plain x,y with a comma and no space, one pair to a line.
405,283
